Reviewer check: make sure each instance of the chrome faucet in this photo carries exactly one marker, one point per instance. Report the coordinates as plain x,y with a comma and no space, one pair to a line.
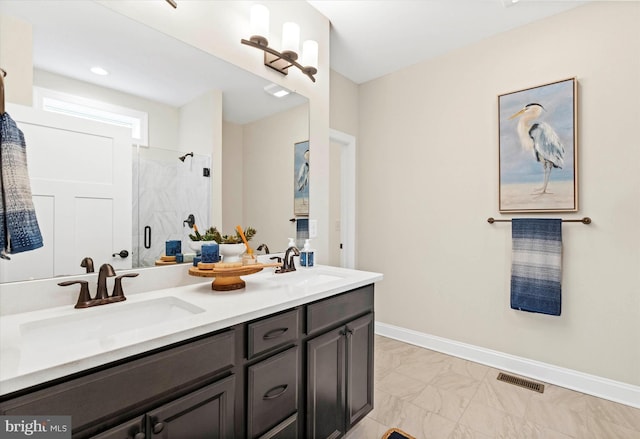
288,264
106,270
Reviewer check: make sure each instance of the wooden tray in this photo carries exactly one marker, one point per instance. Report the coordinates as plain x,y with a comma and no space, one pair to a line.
228,278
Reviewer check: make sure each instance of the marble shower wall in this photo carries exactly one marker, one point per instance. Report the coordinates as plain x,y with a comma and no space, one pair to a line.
165,192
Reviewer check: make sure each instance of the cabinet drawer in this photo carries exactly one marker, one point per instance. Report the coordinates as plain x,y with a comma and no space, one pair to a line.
272,391
272,332
338,309
287,429
129,388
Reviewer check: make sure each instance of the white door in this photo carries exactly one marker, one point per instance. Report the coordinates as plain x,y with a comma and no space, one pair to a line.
80,174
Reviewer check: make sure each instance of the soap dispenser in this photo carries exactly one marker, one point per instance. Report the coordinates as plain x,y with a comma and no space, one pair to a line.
306,255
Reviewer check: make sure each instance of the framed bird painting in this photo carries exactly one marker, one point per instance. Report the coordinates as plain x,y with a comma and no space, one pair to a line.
538,148
301,179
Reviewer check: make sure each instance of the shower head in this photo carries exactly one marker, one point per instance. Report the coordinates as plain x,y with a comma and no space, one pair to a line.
182,157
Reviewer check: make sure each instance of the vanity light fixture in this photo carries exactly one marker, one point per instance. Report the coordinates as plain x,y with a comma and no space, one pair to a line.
282,61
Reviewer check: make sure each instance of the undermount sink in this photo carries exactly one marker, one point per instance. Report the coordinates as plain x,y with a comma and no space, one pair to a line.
99,323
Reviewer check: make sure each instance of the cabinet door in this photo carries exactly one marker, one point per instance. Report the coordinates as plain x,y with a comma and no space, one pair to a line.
205,413
360,335
325,417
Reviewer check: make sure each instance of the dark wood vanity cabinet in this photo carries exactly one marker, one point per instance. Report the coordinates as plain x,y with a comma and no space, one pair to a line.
205,413
339,364
306,372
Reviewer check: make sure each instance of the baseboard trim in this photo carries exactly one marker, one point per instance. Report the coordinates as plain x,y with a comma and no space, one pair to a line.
605,388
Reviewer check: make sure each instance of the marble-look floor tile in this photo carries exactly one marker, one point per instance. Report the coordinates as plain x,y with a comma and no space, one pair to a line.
400,386
425,393
596,428
613,412
557,412
561,397
387,409
464,432
467,368
442,402
533,431
460,384
491,422
503,396
435,426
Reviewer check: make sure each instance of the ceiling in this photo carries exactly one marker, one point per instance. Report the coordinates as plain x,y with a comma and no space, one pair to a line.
370,39
69,37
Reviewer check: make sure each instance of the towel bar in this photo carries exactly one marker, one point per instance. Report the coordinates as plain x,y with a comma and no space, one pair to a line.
585,220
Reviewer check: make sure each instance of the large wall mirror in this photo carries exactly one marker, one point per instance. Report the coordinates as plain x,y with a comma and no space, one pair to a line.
185,93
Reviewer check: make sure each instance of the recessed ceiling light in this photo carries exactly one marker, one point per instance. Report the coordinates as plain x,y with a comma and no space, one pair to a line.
99,71
276,90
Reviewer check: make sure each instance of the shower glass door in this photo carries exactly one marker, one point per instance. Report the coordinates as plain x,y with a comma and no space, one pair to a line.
166,190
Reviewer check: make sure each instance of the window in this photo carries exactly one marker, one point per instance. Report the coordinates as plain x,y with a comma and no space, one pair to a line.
71,105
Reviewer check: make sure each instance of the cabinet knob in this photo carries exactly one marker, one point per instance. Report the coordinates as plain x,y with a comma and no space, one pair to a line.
158,427
140,435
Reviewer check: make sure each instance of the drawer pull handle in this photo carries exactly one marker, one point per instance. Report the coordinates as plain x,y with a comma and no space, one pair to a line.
274,333
140,435
282,388
158,427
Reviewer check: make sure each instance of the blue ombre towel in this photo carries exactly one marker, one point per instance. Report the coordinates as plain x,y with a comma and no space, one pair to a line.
536,265
19,231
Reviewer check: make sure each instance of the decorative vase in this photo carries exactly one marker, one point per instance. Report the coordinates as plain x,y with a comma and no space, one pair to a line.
231,252
196,246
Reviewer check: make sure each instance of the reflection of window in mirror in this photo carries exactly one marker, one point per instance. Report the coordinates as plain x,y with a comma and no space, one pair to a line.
71,105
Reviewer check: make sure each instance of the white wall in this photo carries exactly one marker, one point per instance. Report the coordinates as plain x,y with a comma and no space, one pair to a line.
232,175
428,172
201,133
16,49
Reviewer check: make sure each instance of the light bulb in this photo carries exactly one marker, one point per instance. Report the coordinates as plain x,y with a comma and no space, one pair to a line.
309,53
260,24
290,40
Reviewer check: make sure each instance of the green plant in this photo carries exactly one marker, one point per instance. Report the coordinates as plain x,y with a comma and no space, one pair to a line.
212,234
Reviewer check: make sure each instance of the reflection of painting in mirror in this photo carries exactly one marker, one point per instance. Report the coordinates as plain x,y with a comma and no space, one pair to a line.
166,190
301,184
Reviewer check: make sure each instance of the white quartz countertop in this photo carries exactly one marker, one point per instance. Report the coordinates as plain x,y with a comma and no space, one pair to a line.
40,345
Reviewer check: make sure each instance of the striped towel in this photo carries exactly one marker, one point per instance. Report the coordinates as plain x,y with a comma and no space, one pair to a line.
536,266
19,230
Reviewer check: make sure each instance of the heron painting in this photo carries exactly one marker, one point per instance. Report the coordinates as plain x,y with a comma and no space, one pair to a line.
537,128
301,179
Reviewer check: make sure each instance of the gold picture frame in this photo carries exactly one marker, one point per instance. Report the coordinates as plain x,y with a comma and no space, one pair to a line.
538,148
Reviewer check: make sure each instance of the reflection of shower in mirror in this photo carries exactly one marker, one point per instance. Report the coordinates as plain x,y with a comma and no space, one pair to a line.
182,157
165,192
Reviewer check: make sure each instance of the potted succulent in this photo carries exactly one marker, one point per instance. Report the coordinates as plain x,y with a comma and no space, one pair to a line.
231,246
